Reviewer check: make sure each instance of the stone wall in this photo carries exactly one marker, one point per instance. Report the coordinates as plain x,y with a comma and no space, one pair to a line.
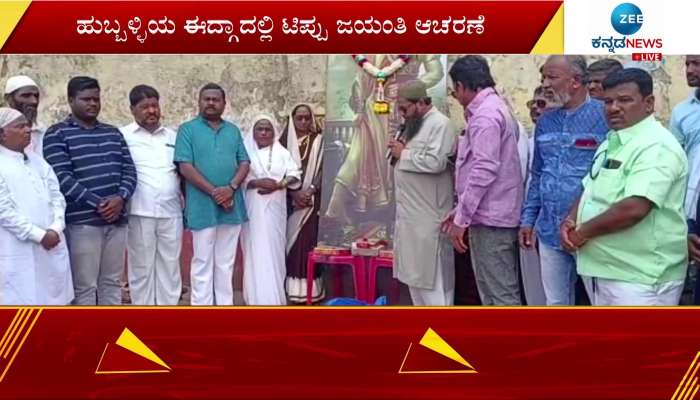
254,83
271,83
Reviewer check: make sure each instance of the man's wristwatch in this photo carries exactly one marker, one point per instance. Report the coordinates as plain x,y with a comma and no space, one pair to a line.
233,186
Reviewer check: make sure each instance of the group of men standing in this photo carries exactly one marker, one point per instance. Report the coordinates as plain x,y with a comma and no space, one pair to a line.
65,191
599,194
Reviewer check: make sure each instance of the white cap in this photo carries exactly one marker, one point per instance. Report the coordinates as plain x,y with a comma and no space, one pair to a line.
8,116
19,81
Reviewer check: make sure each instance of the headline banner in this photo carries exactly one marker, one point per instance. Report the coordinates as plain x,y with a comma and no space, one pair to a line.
271,27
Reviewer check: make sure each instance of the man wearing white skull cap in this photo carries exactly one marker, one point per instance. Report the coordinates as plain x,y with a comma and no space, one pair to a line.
22,94
34,262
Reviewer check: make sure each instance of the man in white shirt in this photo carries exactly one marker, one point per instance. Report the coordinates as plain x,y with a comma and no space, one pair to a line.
34,262
154,238
22,94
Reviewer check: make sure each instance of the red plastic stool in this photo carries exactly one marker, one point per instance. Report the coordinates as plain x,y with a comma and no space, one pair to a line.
358,271
374,264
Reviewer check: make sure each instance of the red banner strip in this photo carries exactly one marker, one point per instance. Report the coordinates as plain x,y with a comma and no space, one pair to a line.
382,353
189,27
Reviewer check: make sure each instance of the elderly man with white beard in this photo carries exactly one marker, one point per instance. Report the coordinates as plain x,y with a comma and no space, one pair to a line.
566,139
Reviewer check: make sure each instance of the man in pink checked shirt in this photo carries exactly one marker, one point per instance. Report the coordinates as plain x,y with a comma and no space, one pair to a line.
489,184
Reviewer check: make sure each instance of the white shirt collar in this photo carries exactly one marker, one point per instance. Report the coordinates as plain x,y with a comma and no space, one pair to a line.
12,154
38,127
430,112
134,127
694,96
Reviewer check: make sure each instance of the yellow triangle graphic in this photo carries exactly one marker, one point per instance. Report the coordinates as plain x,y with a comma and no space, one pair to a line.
552,39
688,387
10,13
434,342
130,342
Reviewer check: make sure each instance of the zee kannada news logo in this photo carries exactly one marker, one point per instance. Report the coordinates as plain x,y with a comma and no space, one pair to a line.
627,19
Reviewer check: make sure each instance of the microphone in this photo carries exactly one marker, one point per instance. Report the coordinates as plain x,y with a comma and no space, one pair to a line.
399,133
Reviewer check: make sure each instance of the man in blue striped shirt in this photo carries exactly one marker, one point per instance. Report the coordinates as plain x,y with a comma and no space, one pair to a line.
97,177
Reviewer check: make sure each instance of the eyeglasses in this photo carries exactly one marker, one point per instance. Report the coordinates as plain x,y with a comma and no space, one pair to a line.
539,103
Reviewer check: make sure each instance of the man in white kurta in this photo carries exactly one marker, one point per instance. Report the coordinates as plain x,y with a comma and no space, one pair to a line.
34,262
423,257
154,234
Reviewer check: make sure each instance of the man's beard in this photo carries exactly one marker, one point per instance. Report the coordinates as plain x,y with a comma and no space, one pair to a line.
29,113
561,98
412,127
693,81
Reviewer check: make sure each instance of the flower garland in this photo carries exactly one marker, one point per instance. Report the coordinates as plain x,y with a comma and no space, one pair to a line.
381,106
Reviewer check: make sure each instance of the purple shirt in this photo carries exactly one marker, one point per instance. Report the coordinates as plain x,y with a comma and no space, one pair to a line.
488,176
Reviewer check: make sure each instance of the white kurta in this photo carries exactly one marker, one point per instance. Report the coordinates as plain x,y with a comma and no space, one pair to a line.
37,143
31,203
423,256
264,236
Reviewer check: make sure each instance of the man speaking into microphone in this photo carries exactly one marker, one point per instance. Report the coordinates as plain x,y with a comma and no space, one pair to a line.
423,257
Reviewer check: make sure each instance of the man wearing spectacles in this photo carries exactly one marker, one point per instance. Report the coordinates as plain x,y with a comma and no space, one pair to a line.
541,101
628,227
530,269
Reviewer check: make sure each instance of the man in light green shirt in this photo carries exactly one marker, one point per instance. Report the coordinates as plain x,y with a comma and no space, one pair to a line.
628,227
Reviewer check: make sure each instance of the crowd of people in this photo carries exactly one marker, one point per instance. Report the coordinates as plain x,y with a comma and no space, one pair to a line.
598,205
80,196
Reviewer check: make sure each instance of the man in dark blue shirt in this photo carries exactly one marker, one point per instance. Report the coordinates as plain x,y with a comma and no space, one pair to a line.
97,177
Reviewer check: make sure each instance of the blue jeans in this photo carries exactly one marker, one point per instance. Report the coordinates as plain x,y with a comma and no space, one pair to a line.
558,276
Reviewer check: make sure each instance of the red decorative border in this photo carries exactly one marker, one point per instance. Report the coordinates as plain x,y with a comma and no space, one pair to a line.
322,353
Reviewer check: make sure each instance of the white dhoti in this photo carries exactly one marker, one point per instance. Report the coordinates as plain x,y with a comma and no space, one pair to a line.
153,248
607,292
213,257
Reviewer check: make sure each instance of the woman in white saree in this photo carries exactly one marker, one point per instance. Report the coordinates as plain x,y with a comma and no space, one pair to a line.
264,236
